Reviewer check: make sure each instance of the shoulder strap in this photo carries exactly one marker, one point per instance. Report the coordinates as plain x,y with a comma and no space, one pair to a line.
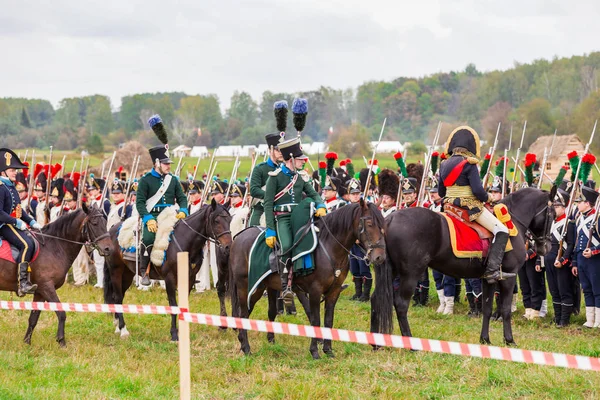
152,201
455,173
287,188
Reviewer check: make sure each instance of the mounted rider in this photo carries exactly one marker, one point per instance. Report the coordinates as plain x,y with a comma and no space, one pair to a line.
461,186
14,219
157,190
284,191
260,174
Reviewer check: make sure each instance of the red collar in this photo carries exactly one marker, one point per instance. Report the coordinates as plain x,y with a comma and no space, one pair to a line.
238,205
331,200
195,203
561,218
119,202
98,198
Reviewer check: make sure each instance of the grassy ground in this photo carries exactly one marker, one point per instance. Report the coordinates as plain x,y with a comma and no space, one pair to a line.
98,364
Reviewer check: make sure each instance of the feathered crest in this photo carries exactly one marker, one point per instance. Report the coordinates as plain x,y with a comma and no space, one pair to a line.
485,166
322,172
350,168
300,111
280,109
561,175
401,164
158,127
574,163
331,157
499,171
530,159
435,161
587,162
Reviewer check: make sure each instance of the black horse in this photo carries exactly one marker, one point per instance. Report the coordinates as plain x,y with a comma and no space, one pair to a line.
190,234
339,230
60,244
417,238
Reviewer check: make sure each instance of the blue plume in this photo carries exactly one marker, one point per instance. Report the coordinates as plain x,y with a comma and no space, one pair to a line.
214,178
300,106
226,180
92,175
155,119
280,104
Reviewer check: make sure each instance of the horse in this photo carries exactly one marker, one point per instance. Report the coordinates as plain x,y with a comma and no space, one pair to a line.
417,237
339,230
60,243
190,234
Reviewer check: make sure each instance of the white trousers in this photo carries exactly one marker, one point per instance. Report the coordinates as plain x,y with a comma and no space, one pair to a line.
99,264
209,264
491,223
81,268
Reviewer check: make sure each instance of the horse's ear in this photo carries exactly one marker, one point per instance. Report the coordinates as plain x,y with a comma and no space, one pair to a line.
362,203
213,204
553,192
85,208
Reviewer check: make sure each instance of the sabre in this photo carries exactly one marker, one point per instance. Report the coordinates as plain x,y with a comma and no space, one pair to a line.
373,159
100,206
572,194
543,172
231,179
81,183
48,184
504,172
512,184
31,180
488,172
177,171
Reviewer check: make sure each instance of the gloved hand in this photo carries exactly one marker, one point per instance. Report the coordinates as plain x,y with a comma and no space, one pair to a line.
180,215
152,225
21,225
321,212
270,241
36,225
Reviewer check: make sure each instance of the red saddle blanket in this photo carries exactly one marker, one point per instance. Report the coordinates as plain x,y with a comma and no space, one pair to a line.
8,252
465,240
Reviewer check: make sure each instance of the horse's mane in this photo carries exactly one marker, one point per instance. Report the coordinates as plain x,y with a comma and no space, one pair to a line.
342,219
517,198
63,226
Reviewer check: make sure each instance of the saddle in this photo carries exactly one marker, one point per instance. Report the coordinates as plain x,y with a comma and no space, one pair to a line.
10,253
469,239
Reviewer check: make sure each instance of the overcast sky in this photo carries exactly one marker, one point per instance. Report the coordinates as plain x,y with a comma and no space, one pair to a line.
59,48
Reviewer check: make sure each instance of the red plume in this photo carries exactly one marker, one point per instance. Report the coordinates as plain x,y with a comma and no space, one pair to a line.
76,177
572,154
488,156
26,170
342,163
397,155
330,155
37,169
56,168
322,165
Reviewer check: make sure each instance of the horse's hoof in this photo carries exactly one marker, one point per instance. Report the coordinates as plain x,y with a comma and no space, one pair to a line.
117,330
124,333
222,329
27,340
62,343
329,353
485,341
315,355
246,351
512,343
375,347
115,322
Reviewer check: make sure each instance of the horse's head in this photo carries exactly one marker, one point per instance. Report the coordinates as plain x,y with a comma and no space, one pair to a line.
369,227
218,226
94,231
533,209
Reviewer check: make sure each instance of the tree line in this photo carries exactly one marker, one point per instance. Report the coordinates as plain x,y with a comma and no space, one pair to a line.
553,94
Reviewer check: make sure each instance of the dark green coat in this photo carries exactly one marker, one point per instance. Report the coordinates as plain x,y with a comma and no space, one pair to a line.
149,185
258,180
277,181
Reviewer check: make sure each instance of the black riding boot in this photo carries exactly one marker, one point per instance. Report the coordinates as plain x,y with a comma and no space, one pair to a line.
143,265
366,294
25,286
557,313
286,293
457,290
358,287
417,297
565,316
493,272
280,306
291,310
472,308
424,295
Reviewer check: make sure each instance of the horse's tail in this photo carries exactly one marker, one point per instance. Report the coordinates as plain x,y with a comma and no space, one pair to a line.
109,290
382,301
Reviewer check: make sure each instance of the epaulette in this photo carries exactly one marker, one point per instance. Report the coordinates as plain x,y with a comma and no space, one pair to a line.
275,172
304,175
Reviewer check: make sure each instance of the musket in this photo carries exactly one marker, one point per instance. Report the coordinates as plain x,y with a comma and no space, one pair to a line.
31,181
542,169
427,165
247,194
62,164
101,205
82,179
232,178
178,165
512,183
48,184
207,185
370,167
196,168
542,173
572,194
62,204
133,173
25,156
488,172
504,173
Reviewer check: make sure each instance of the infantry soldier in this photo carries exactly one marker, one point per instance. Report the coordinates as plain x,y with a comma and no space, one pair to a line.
39,190
157,190
461,185
119,210
259,177
389,184
586,260
195,193
97,199
283,192
14,220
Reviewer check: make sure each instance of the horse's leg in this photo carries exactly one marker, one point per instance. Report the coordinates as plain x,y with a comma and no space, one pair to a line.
170,285
315,320
488,303
303,299
244,312
272,296
221,292
116,279
506,290
48,292
125,283
33,319
330,302
402,298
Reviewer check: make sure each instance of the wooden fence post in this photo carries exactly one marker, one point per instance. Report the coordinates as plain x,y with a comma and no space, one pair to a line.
183,272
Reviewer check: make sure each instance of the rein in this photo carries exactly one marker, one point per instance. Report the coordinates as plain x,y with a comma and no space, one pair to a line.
212,237
361,229
544,238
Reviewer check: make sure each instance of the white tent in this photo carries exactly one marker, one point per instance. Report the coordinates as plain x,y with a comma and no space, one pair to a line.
181,151
388,146
262,149
199,151
315,147
228,151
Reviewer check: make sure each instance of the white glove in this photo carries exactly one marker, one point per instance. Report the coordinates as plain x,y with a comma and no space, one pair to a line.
21,225
36,225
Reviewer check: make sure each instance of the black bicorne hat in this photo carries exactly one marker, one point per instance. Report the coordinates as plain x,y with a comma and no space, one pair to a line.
218,187
409,185
118,187
196,187
237,190
465,137
353,186
9,159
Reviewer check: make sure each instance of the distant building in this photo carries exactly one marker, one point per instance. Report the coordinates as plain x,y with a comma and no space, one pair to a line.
563,145
181,151
199,151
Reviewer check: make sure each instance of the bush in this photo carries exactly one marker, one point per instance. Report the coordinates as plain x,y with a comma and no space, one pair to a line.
95,145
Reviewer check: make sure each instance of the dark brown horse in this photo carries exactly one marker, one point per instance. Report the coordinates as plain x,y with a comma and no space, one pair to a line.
190,234
339,230
417,238
60,244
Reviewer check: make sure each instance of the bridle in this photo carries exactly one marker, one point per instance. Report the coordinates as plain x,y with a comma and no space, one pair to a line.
542,240
212,237
368,242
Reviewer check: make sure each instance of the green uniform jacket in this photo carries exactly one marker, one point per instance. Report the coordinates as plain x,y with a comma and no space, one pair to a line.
277,181
149,185
259,177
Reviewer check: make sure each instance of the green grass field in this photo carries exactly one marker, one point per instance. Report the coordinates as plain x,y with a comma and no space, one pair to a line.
97,364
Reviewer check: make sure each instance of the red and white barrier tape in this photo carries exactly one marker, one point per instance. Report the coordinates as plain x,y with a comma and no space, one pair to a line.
343,335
